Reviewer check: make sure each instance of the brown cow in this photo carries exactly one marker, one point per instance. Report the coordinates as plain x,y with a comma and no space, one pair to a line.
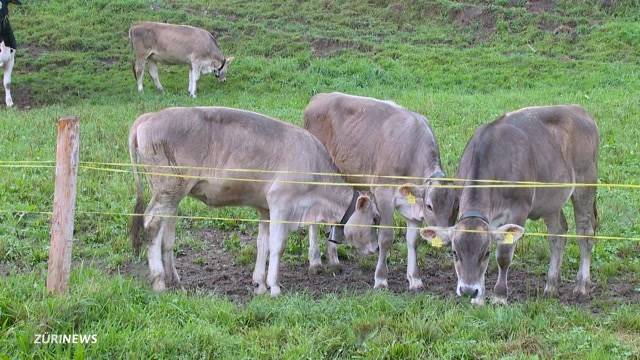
203,151
369,136
176,44
552,144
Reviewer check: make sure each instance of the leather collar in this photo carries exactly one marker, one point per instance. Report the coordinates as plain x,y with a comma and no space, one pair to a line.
224,61
473,214
347,214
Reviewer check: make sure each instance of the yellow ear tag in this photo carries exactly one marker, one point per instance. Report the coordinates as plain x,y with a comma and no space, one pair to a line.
436,242
411,199
508,239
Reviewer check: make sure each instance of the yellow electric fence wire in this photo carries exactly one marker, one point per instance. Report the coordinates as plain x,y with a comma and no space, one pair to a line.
445,186
498,183
489,183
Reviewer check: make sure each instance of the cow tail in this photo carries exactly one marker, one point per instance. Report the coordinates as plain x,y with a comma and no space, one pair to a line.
136,231
133,62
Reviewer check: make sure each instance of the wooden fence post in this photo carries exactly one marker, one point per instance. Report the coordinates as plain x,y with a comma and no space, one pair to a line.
64,203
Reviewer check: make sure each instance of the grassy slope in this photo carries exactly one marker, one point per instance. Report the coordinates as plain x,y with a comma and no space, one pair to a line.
76,54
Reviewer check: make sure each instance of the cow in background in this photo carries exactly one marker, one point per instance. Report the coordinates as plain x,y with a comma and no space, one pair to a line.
155,43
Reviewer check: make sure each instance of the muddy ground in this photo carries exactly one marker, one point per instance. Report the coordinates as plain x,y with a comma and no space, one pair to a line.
213,270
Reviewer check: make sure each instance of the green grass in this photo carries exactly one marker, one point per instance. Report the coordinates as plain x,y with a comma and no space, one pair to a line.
74,58
131,323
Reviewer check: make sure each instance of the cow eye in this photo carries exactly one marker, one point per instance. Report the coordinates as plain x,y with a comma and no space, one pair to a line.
429,207
455,255
487,254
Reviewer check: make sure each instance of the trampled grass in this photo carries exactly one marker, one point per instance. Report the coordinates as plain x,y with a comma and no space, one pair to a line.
437,58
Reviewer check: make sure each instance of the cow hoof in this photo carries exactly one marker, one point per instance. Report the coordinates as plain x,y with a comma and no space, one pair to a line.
381,284
415,284
9,104
158,286
335,268
550,291
275,291
580,292
315,269
499,300
477,301
259,289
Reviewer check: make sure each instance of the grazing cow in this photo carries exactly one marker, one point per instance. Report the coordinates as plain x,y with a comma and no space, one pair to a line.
204,149
7,59
176,44
374,137
552,144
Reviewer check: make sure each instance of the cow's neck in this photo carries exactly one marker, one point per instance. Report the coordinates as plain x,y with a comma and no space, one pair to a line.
475,201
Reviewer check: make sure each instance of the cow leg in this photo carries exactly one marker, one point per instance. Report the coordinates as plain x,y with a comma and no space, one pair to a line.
138,69
413,276
385,240
332,255
557,225
156,228
278,233
315,262
168,239
153,72
6,81
504,256
584,207
191,91
194,75
260,270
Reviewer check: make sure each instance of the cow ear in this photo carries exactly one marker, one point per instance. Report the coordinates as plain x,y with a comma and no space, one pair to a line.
507,234
437,236
362,202
411,190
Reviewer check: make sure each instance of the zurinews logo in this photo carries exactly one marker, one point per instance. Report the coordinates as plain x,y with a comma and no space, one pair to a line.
65,339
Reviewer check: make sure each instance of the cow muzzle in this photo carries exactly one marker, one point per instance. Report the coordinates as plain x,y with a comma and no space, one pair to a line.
472,291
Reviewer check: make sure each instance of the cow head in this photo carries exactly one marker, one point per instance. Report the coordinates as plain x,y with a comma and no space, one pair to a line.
359,221
470,241
221,72
438,205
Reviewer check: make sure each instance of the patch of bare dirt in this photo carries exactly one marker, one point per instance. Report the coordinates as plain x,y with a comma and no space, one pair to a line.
608,4
108,62
540,6
214,270
22,97
327,47
32,50
559,29
475,16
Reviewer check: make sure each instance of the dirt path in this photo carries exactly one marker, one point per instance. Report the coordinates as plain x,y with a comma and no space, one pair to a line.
214,270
